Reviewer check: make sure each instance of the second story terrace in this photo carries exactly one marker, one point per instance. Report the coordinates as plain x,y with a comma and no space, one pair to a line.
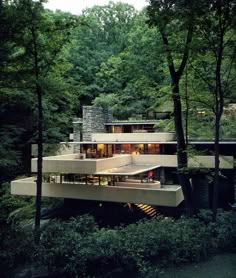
121,178
77,163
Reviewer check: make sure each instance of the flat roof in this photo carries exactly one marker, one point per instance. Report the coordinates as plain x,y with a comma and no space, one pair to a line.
128,170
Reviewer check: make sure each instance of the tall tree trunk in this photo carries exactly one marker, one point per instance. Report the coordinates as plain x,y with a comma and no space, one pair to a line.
38,91
217,167
40,159
219,106
182,157
187,106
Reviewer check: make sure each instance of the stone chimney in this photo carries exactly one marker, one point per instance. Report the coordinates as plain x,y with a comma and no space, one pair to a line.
94,119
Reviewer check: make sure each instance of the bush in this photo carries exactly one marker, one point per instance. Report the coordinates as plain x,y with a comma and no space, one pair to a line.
16,247
78,247
65,245
111,258
223,231
226,231
9,203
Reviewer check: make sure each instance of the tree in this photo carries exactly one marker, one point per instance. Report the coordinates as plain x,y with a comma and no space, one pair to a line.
15,106
103,34
175,21
214,66
43,36
128,81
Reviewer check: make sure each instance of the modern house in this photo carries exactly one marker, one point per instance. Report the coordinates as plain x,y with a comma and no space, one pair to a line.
127,162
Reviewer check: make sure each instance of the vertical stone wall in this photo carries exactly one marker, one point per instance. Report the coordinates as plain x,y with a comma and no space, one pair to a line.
77,127
94,119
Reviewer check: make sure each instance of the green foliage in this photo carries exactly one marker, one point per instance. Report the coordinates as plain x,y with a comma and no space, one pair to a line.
108,67
10,154
30,31
200,128
131,78
79,247
228,126
166,125
225,231
44,44
66,246
102,34
22,214
16,247
16,123
9,203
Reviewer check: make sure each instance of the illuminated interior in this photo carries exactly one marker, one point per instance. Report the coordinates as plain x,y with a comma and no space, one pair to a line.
107,150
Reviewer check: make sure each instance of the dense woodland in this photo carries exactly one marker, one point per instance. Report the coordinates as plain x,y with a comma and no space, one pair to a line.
176,56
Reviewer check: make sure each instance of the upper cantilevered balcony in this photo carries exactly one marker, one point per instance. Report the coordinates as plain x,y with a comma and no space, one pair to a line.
73,164
133,137
199,161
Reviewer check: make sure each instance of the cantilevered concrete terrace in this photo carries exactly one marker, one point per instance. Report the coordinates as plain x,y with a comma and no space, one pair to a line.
72,163
120,173
133,137
122,192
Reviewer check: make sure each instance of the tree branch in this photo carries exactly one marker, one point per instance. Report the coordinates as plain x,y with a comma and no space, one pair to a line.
201,76
169,55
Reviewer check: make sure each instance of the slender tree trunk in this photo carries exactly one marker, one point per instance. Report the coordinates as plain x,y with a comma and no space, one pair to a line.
182,157
38,91
219,106
217,167
187,106
181,147
40,160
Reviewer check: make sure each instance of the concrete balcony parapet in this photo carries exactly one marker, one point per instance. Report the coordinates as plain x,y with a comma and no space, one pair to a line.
134,137
201,161
72,163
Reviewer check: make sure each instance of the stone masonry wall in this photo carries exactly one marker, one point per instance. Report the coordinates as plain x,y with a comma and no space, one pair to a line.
94,119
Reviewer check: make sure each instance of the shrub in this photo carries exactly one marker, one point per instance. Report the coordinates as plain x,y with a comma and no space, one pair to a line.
190,241
78,247
16,246
9,203
65,245
223,231
111,257
226,231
